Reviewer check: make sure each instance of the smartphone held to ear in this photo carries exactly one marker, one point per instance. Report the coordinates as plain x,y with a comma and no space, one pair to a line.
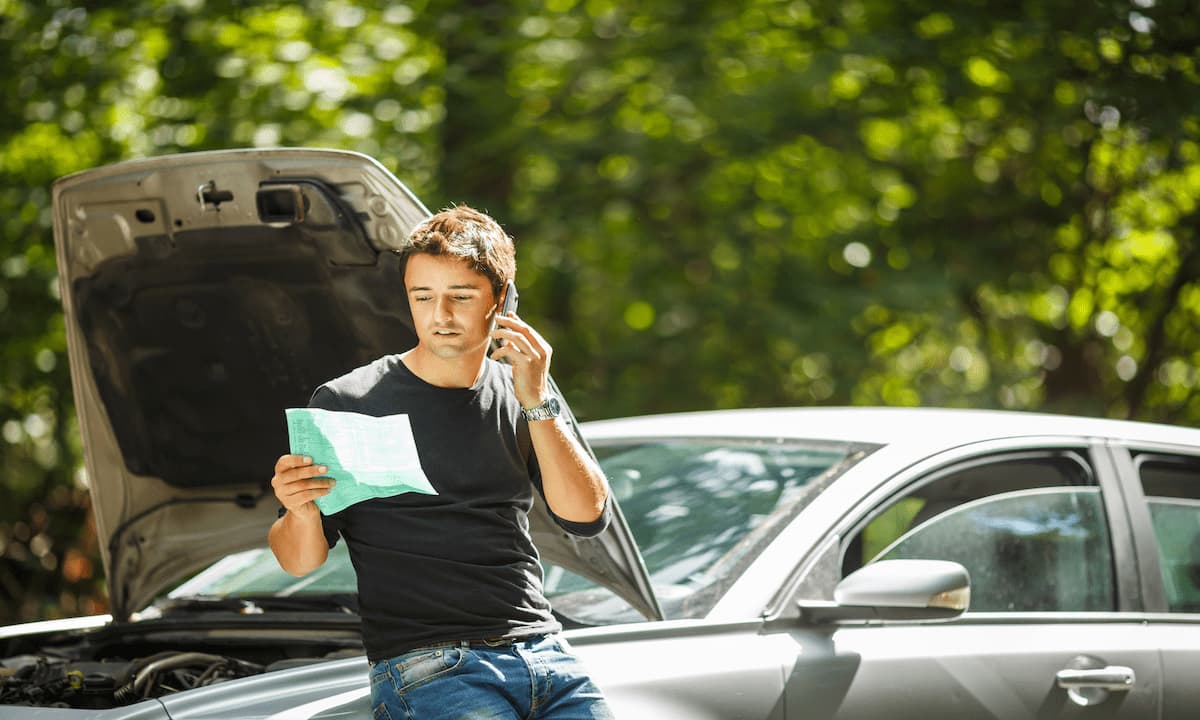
510,299
510,305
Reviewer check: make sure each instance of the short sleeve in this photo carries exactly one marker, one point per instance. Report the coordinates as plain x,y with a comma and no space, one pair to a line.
581,529
587,529
324,398
332,527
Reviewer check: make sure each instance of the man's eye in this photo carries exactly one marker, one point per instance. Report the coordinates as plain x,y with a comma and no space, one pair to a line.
420,298
462,298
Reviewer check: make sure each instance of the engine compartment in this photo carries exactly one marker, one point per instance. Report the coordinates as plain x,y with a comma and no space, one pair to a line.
122,664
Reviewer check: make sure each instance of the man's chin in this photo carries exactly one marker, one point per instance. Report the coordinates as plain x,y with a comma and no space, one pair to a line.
448,348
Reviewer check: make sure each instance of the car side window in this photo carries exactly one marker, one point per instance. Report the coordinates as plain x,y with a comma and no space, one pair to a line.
1171,485
1030,529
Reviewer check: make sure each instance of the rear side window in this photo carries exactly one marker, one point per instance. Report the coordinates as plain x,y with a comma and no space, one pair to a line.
1030,529
1172,488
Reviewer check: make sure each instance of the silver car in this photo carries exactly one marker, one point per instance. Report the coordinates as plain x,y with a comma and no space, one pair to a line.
787,563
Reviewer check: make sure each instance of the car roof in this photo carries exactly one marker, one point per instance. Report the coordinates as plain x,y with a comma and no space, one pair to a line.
884,425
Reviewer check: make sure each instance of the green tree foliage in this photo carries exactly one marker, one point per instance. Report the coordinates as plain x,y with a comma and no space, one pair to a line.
716,204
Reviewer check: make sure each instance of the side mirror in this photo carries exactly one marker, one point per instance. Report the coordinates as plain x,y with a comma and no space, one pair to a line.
896,590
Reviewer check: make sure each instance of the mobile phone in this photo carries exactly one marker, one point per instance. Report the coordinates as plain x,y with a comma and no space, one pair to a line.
510,305
510,298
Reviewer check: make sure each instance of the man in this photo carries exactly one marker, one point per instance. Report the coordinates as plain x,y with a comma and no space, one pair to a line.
455,624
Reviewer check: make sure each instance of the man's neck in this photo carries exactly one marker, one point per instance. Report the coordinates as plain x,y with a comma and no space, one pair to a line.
459,372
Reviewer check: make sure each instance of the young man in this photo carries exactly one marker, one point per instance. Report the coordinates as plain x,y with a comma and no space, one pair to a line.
455,624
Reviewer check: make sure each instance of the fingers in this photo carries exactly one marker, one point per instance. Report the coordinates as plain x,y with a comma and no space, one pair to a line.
297,481
515,324
523,358
517,343
290,468
522,337
287,462
528,353
302,485
293,500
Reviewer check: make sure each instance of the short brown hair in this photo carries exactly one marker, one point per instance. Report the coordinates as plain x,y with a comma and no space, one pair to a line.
464,232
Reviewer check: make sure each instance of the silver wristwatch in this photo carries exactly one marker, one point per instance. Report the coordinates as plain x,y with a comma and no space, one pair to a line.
547,410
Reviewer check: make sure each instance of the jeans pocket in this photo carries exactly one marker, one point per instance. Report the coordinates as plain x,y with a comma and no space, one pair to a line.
425,667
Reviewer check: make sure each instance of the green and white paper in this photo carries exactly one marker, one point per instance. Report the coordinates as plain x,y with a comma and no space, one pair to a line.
367,456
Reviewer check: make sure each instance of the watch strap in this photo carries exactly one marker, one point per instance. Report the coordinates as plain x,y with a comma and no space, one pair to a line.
548,409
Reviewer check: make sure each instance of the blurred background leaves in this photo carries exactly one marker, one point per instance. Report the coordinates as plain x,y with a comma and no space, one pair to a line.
716,204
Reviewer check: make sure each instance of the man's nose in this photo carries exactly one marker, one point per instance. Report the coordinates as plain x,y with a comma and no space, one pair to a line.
441,309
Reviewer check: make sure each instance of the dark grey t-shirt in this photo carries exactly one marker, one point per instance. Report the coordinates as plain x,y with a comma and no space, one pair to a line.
459,565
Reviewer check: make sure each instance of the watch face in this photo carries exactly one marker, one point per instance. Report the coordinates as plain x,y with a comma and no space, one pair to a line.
547,410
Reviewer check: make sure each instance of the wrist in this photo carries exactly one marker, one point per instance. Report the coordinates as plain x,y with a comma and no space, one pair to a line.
306,513
548,409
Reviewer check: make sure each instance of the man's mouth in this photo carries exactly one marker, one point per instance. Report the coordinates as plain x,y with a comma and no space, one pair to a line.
445,332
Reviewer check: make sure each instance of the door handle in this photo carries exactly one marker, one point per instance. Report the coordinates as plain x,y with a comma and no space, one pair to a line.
1090,686
1113,677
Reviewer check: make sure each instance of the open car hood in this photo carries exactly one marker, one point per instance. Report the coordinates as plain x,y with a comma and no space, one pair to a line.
204,293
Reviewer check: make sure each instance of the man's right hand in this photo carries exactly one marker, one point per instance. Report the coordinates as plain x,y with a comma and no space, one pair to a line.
297,483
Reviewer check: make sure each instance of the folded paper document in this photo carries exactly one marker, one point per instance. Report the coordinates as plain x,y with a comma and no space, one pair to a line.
368,456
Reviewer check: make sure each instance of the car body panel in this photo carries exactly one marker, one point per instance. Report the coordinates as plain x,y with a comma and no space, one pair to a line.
969,669
1177,640
336,688
917,430
704,672
719,671
690,671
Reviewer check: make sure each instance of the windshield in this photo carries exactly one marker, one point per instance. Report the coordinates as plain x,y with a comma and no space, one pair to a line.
699,509
256,573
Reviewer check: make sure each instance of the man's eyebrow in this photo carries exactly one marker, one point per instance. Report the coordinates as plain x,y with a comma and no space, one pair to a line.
423,288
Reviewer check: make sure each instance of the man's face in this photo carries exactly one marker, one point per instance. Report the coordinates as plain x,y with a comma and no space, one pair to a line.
452,305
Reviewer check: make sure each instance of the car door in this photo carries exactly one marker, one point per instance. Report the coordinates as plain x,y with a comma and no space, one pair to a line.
1162,487
1053,629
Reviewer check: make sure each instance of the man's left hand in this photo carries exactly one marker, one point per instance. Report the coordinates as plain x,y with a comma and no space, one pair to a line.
528,353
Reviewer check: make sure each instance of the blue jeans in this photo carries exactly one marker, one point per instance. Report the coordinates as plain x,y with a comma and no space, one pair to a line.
535,678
